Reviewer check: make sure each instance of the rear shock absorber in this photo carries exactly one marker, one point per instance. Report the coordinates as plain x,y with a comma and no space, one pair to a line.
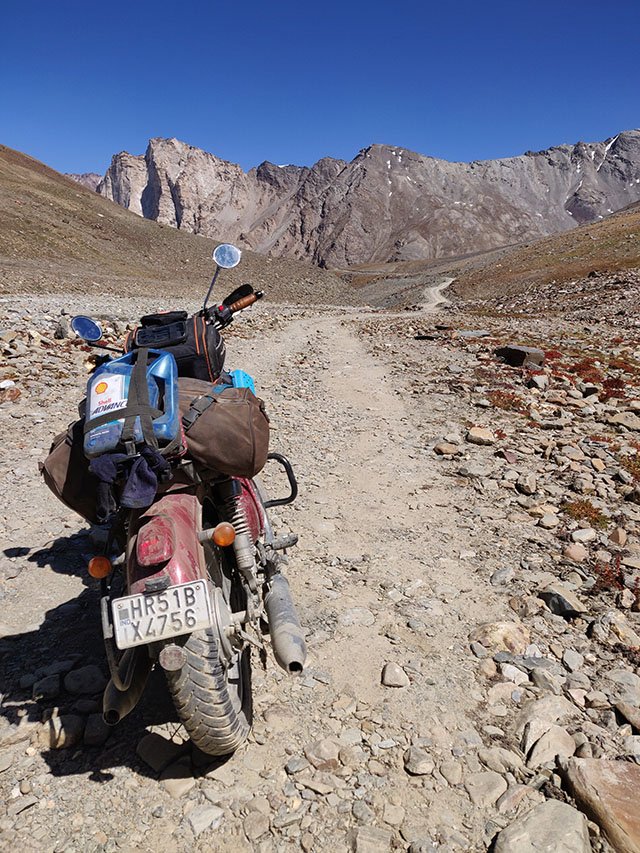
230,491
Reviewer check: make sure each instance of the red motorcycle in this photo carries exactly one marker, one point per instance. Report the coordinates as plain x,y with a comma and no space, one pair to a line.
191,570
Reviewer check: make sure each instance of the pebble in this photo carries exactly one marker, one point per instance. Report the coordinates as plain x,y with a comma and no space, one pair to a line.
47,688
417,762
177,779
446,449
255,825
480,435
572,660
324,754
584,535
556,741
576,552
498,636
485,788
394,675
62,732
202,818
96,731
357,616
452,772
20,805
618,537
562,601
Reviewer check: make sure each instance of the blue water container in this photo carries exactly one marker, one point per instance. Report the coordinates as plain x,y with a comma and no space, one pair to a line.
108,391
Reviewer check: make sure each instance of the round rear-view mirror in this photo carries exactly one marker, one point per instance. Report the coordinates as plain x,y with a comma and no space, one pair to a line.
86,328
227,255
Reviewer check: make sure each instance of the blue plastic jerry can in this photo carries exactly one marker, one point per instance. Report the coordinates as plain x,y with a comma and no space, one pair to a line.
108,391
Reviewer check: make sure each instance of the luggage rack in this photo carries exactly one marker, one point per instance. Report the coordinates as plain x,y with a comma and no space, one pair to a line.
293,484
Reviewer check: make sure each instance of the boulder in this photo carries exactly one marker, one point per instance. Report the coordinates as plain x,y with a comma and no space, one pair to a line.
608,792
625,419
562,601
518,356
86,680
552,826
555,741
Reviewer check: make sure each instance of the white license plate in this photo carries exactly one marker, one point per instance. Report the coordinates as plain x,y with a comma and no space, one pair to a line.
141,619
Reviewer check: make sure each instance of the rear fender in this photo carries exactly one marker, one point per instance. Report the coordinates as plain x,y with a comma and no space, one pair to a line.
180,514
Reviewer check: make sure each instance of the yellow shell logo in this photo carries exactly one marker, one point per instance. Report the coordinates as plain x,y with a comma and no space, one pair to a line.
101,387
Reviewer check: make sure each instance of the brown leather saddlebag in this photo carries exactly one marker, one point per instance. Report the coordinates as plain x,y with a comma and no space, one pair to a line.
66,472
226,428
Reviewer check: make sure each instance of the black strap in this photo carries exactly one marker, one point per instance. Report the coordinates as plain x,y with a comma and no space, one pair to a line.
139,399
118,414
200,405
196,408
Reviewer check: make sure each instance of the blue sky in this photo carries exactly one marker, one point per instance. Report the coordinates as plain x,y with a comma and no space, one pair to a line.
293,82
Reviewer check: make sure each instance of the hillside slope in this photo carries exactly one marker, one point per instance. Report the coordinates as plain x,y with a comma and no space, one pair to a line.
610,246
55,235
591,274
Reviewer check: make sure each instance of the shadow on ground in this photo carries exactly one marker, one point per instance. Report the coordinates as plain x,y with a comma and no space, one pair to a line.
67,555
72,632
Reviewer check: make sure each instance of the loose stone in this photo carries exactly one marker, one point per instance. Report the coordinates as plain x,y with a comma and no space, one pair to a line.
394,676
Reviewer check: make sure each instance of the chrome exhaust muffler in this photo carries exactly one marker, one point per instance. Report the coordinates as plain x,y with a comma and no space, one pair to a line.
134,669
287,638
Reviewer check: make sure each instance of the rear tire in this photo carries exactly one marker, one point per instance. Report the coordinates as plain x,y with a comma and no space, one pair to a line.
214,700
213,703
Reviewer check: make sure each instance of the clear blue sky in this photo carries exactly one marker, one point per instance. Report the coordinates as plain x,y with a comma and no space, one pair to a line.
291,82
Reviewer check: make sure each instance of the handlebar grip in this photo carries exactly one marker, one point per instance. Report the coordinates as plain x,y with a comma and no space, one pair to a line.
245,302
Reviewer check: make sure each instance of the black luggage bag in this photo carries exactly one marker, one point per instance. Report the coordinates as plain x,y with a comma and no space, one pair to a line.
196,344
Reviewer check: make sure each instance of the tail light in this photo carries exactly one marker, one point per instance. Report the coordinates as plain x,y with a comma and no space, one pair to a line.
156,541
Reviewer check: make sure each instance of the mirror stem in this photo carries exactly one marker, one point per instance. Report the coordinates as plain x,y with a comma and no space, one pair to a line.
213,281
98,345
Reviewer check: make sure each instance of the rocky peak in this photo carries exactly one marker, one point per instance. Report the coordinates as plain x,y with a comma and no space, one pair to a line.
388,203
90,180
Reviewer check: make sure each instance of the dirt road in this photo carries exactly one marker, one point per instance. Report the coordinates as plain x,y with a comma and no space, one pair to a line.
390,569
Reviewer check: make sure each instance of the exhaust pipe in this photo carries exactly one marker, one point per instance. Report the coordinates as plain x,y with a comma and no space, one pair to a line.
287,639
116,704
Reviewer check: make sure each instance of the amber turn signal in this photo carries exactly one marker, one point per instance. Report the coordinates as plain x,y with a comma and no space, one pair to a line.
99,567
224,534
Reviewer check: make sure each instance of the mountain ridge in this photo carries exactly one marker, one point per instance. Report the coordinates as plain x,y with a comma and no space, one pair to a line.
386,204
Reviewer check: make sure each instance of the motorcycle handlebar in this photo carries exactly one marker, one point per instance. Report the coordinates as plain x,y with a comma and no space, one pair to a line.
246,301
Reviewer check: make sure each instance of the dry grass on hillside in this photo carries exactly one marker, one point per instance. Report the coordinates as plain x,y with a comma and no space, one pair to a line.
610,246
57,236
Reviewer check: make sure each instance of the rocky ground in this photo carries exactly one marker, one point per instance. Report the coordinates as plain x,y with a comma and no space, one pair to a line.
610,298
468,573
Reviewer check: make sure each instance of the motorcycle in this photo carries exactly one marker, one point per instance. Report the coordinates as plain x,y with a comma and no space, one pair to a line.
194,580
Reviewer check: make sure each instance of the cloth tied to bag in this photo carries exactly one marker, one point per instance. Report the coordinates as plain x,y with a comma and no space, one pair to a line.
141,474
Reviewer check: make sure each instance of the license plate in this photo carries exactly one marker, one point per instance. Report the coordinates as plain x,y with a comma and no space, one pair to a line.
141,619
